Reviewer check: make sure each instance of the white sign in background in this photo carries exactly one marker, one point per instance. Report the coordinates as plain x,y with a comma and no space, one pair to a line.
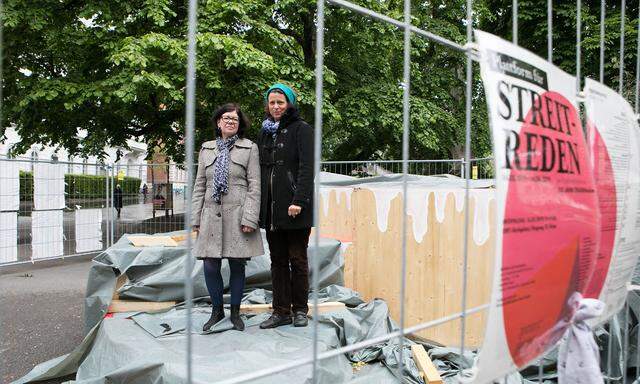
47,237
88,227
9,186
8,237
48,186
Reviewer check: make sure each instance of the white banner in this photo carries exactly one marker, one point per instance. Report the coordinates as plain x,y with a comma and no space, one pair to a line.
88,230
8,237
9,185
614,137
46,234
48,186
547,220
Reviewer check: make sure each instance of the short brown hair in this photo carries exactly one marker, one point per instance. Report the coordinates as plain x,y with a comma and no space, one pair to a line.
243,121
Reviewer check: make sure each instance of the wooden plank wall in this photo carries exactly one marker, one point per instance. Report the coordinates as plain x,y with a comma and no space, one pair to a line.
434,265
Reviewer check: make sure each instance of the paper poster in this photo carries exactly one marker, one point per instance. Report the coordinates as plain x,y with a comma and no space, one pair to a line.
614,138
88,230
9,186
8,237
48,186
46,234
547,224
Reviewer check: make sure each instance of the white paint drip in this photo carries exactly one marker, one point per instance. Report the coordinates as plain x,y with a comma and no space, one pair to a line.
459,195
418,209
347,191
441,203
383,205
481,215
325,193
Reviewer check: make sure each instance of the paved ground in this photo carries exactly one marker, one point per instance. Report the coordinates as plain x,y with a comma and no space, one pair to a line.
40,314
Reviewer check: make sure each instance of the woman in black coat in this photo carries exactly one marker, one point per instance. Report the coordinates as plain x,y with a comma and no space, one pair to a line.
286,209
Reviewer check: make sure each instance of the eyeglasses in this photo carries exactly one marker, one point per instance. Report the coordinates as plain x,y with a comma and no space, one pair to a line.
230,120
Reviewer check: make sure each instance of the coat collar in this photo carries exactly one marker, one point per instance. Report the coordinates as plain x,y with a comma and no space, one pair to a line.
290,115
243,143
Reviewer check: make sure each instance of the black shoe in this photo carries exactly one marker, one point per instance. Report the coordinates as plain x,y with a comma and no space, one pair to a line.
275,320
300,319
237,322
217,314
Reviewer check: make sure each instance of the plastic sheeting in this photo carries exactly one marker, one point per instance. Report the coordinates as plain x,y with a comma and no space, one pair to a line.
157,273
151,347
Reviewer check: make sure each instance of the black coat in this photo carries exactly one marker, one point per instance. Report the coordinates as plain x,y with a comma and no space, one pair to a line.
286,170
117,198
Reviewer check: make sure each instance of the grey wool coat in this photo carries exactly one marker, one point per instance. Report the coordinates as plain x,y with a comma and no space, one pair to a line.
220,234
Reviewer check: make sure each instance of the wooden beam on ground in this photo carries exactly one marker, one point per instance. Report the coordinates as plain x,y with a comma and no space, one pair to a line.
152,241
120,281
425,365
254,309
183,237
118,306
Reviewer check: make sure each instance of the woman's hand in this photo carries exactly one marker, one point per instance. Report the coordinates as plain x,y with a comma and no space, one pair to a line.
246,229
294,210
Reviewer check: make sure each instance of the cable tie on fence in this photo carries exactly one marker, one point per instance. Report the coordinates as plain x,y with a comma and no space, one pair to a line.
580,97
472,50
632,287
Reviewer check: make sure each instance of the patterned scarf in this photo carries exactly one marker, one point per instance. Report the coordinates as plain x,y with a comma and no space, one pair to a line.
221,169
271,127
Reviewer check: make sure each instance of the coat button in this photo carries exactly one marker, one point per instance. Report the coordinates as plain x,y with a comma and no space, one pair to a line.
280,145
218,214
284,130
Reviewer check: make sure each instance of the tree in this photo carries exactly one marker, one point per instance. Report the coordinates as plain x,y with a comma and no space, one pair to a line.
117,69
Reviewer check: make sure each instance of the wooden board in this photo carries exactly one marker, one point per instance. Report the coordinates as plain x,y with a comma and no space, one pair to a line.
425,365
119,306
152,241
120,281
183,237
434,262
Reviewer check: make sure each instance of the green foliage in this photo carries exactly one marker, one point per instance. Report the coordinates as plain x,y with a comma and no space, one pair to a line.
26,186
120,73
81,186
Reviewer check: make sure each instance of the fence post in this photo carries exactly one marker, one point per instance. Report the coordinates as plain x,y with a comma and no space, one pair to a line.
111,211
107,209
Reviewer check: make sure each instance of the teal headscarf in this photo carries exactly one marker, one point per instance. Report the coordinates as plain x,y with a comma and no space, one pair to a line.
288,92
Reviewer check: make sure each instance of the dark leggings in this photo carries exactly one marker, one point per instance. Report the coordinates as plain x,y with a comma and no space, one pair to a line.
215,285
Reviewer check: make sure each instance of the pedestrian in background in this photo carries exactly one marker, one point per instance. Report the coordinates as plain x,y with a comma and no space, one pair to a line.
117,199
286,210
226,207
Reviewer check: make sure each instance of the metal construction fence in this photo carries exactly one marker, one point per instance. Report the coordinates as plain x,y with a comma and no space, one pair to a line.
617,357
481,168
56,209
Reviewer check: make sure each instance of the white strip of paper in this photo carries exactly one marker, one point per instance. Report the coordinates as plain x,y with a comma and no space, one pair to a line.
8,237
88,230
9,186
46,234
48,186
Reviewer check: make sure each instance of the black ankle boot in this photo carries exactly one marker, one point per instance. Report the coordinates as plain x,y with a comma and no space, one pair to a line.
237,322
217,314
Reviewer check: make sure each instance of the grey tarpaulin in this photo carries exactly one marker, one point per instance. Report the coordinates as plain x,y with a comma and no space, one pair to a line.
444,181
156,274
150,347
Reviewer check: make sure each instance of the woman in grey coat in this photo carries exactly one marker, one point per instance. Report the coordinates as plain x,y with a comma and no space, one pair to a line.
226,209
